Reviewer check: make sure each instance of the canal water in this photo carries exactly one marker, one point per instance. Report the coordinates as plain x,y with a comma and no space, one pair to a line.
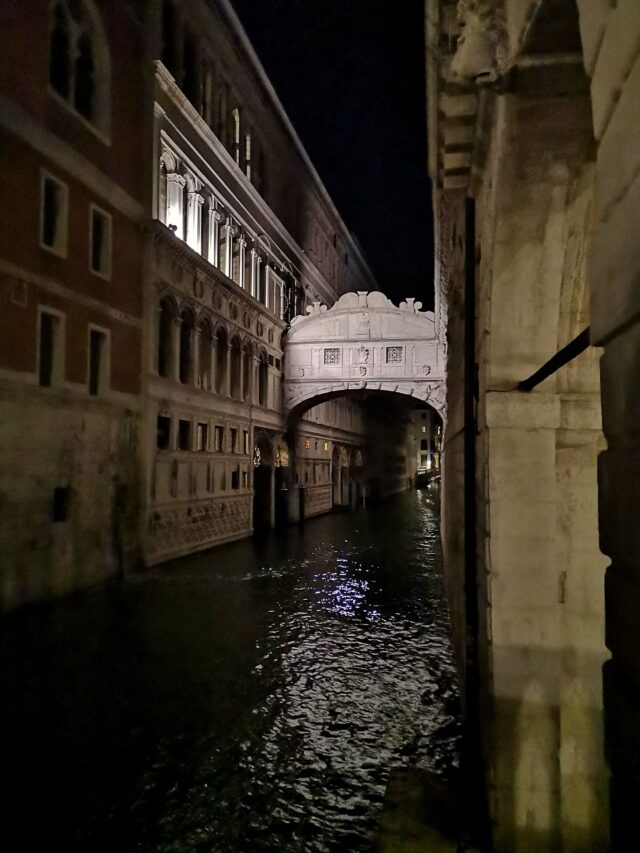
253,698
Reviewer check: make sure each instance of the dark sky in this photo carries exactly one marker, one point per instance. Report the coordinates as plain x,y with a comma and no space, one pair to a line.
351,76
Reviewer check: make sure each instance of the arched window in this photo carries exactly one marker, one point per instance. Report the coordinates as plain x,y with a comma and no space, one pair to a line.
204,355
246,374
79,64
60,52
221,113
187,326
166,316
190,81
235,125
169,29
263,380
236,376
221,361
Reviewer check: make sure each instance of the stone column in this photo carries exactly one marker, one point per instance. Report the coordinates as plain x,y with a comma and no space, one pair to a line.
215,218
175,201
227,261
242,243
267,299
194,220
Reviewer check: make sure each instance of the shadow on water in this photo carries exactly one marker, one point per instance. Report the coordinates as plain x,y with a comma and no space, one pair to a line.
256,697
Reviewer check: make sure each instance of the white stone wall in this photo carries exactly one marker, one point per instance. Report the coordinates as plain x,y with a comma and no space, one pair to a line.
611,42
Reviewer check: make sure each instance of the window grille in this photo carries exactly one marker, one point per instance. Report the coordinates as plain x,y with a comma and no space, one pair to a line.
332,356
394,355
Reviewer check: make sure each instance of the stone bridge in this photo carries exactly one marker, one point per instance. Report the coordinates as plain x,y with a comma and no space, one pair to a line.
364,343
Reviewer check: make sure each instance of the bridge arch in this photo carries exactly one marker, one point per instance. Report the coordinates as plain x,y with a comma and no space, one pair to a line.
364,343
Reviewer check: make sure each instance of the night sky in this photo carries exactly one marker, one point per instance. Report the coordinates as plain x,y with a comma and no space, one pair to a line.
351,76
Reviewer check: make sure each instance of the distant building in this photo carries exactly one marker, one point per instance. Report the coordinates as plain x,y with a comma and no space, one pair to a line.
163,224
426,435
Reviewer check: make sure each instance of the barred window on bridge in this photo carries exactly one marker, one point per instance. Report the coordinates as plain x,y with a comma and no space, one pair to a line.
394,355
332,356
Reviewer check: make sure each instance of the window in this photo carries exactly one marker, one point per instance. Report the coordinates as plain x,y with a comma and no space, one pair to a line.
235,477
79,64
245,479
424,429
166,319
235,117
307,444
60,504
98,362
163,432
221,361
326,445
247,155
332,356
246,373
263,380
53,215
168,36
235,371
234,439
184,435
50,349
206,107
187,329
205,342
218,438
190,69
394,355
202,435
221,113
245,442
100,242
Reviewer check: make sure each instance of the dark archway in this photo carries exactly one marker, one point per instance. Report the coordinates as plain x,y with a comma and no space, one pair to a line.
222,352
165,353
263,483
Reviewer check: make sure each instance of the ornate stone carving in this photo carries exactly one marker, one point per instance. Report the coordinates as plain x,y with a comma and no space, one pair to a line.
481,55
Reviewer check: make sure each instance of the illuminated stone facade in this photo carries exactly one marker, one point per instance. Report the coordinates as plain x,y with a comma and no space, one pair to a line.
168,226
533,117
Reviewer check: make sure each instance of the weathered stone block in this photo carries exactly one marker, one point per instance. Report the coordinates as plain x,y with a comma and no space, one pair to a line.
619,48
593,19
527,411
615,268
618,160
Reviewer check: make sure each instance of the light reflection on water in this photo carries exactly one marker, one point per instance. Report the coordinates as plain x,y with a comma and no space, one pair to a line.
253,698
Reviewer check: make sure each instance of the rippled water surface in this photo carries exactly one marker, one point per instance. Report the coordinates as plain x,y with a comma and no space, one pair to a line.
253,698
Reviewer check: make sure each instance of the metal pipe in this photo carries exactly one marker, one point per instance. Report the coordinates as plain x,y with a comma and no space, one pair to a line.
566,354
